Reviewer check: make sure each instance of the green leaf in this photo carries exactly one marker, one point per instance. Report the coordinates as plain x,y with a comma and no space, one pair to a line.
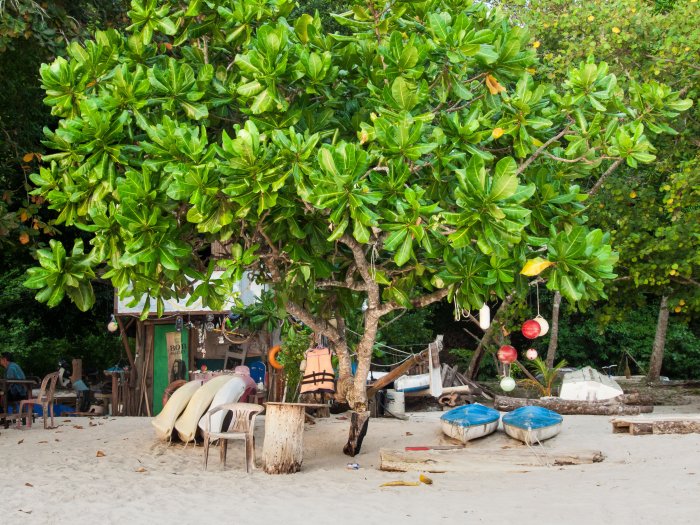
404,253
505,180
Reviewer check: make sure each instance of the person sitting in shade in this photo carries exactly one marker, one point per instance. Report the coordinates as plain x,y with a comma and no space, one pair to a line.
13,371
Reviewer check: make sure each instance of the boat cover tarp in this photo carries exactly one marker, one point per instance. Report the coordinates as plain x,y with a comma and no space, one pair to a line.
532,418
471,415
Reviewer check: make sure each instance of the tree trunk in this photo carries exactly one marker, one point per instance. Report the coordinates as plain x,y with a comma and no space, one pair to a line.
489,335
554,331
568,406
358,395
283,448
358,428
657,353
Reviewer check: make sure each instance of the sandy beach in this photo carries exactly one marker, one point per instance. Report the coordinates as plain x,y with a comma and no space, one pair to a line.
57,476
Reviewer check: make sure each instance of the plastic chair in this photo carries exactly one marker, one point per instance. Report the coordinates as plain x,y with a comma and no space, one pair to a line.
45,399
241,427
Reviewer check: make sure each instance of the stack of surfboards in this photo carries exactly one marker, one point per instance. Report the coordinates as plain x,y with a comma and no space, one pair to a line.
185,410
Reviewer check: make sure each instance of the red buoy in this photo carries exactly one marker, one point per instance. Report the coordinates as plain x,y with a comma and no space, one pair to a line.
531,329
507,354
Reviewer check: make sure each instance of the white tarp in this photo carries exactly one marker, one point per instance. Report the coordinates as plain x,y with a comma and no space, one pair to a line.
588,384
247,290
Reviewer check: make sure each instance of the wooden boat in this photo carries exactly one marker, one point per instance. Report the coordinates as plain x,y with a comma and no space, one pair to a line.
470,422
413,383
532,424
165,421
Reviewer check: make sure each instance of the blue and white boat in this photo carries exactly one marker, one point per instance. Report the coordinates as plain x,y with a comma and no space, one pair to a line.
470,422
532,424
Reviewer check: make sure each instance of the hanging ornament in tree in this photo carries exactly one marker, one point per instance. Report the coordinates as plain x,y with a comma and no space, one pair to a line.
544,325
507,354
484,317
531,354
112,326
507,384
531,329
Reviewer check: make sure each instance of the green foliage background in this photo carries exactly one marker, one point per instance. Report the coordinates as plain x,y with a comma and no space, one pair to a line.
38,336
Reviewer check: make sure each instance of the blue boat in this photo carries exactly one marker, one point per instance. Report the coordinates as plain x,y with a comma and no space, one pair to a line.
470,422
532,424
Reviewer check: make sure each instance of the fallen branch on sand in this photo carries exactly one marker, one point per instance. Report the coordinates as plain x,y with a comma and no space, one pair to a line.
626,404
466,460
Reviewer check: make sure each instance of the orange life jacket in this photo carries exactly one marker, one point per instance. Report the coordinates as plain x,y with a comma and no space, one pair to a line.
318,375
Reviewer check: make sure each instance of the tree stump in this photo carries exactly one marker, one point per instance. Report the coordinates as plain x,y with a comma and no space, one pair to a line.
283,448
358,429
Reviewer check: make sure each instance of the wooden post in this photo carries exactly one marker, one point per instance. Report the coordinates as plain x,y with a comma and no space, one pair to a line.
283,448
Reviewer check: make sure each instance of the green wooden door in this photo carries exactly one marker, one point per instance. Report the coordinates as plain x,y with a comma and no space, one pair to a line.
169,345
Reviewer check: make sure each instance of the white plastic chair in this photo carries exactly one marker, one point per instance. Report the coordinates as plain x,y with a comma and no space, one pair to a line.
241,427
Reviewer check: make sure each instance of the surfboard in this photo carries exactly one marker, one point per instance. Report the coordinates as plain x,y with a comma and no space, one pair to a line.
229,393
165,421
186,424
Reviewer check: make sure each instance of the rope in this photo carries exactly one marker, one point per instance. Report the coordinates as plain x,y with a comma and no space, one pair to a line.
374,254
544,463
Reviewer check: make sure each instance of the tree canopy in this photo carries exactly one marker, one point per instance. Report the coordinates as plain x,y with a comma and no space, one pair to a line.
411,160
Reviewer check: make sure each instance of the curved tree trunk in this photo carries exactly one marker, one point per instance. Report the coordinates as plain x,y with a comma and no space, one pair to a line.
357,396
657,353
554,331
488,338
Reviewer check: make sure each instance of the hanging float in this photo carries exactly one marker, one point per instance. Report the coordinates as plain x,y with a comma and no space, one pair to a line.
272,357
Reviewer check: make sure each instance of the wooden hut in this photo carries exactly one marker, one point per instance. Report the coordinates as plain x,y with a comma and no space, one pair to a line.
178,345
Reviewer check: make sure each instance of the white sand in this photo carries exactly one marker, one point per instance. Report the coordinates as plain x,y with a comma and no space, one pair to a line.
54,476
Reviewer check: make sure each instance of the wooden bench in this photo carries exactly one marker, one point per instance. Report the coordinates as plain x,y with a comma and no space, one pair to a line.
657,424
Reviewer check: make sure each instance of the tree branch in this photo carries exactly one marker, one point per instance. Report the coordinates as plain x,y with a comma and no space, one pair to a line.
686,280
372,288
604,176
318,325
418,302
355,286
540,150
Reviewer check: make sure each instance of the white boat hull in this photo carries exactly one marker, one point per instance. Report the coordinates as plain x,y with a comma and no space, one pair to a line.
532,436
468,433
413,383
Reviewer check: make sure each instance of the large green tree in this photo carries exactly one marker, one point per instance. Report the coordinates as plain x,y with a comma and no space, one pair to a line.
412,160
652,212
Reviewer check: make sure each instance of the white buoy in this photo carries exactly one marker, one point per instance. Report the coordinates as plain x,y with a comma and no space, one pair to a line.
507,384
485,317
544,325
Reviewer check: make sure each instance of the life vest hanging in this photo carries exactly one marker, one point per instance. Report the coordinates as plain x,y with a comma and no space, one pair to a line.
318,374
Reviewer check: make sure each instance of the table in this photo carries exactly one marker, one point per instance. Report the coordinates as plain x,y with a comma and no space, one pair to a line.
4,387
283,449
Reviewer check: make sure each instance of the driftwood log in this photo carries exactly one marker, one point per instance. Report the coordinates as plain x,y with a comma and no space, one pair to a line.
658,424
609,407
474,459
